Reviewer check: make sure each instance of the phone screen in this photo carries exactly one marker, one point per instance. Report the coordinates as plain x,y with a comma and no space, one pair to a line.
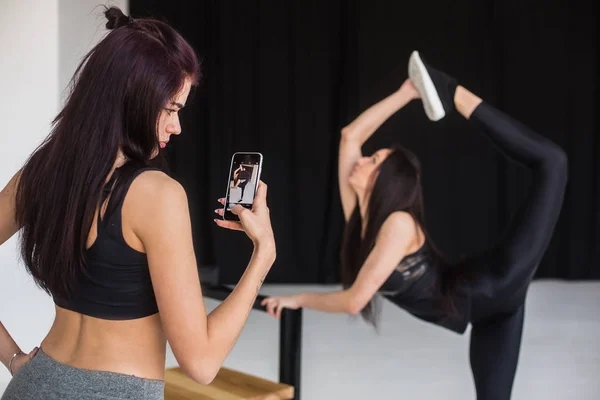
243,181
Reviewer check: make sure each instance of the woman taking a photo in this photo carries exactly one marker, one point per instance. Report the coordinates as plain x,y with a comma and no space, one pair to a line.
108,235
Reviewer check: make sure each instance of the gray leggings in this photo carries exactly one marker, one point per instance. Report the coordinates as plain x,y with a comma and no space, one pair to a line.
48,379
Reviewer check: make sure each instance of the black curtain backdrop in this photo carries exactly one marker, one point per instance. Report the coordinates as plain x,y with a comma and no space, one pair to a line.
283,77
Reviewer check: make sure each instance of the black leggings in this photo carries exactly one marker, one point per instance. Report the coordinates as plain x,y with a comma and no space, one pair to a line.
243,187
498,294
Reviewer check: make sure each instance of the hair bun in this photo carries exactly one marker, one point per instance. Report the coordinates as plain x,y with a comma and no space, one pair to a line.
116,18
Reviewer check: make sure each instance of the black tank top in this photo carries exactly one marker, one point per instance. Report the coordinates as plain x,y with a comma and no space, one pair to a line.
415,286
116,283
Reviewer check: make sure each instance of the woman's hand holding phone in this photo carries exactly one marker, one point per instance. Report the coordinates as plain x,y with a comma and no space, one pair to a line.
255,222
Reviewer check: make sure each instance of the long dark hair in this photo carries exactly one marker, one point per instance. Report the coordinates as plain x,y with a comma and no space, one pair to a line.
115,100
396,188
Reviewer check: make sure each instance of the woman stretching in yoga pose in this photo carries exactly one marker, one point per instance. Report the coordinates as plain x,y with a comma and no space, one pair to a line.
387,251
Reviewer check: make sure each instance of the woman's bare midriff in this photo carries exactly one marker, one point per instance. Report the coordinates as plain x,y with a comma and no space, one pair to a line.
131,347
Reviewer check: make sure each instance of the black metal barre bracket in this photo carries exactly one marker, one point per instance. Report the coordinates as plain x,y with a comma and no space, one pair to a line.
290,336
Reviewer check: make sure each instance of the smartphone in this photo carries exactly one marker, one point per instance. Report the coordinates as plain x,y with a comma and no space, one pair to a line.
244,175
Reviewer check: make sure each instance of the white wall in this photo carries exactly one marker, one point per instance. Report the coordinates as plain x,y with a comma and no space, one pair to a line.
41,42
28,103
81,28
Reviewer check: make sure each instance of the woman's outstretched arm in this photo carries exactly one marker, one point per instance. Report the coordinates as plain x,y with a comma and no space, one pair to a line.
393,241
359,131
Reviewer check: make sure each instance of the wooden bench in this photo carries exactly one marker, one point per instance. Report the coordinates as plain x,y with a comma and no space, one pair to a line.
227,385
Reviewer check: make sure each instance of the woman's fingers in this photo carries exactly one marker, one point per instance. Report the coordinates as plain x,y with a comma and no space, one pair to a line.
260,199
270,304
33,352
234,225
272,308
238,210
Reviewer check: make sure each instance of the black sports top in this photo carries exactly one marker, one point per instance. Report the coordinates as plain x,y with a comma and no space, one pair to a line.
415,286
116,284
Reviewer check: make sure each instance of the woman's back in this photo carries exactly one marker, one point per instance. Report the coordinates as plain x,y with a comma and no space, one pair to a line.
105,326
